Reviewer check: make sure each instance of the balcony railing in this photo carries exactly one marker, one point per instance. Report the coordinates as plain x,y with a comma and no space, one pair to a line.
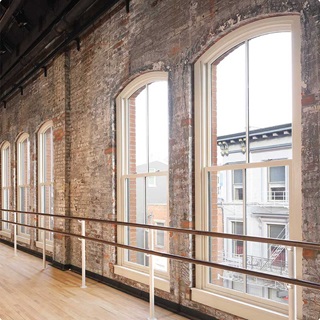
278,196
257,263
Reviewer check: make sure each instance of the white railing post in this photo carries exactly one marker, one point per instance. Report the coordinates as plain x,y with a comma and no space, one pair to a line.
151,272
83,251
44,263
15,232
291,289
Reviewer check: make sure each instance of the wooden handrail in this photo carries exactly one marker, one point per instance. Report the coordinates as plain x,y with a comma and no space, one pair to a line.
290,243
283,242
298,282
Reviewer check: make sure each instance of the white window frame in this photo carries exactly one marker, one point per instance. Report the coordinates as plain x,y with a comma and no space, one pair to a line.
42,183
244,305
23,236
5,187
123,267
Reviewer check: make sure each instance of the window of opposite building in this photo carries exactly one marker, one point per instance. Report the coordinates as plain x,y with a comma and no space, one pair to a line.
237,185
237,245
23,183
5,185
45,180
277,184
244,105
277,253
142,169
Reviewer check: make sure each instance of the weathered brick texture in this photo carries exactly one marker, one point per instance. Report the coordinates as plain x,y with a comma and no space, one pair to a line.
79,94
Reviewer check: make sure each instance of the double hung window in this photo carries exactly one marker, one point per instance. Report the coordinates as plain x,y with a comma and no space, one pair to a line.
5,184
142,167
45,178
245,94
23,183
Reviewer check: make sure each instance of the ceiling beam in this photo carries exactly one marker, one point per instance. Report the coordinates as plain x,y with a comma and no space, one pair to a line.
8,13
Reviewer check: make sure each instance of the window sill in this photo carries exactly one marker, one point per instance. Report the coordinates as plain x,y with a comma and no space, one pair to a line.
23,239
49,245
239,308
159,283
5,233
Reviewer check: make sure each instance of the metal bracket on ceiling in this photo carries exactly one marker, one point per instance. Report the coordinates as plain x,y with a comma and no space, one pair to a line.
45,70
127,5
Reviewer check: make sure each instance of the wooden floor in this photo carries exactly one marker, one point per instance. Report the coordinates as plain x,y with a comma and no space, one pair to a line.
28,292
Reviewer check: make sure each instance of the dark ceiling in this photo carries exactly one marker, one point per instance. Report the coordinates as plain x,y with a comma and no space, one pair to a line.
32,32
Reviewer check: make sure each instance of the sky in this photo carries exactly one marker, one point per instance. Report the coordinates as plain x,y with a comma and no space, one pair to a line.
270,87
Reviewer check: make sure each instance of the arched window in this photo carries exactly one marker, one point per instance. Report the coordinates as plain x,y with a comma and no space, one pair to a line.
23,183
247,135
45,177
142,167
5,185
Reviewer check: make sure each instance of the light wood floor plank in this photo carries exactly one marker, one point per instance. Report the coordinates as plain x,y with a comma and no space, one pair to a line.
29,293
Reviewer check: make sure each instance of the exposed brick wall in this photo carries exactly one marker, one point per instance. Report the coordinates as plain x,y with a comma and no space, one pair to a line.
310,18
43,99
78,95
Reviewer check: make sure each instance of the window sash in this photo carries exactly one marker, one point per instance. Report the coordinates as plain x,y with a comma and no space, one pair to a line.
5,185
123,164
23,184
45,180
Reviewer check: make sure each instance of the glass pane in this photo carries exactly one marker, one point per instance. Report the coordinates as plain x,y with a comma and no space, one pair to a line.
47,207
237,176
270,91
5,204
138,132
270,80
136,213
277,231
157,209
268,289
277,174
225,215
6,167
265,219
47,156
23,165
24,204
228,107
158,125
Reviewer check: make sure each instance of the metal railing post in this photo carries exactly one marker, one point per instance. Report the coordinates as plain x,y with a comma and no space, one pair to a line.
15,232
291,289
83,251
151,273
44,263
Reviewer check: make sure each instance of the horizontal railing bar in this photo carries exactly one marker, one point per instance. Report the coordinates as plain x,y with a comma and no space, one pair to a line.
298,282
283,242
